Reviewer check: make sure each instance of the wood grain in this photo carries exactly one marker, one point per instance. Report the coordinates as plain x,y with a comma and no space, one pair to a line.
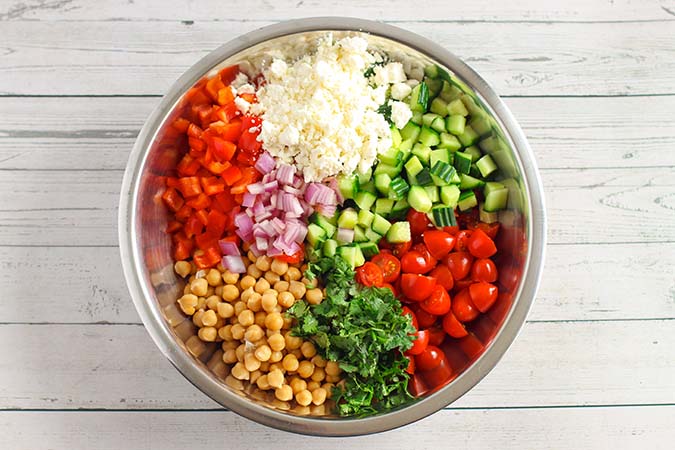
98,133
532,59
555,428
96,291
257,10
117,366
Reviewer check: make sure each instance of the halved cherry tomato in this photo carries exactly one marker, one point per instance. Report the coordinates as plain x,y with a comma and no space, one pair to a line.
411,366
483,295
452,326
409,312
471,345
484,270
436,336
509,277
480,245
443,276
429,359
462,240
419,222
420,343
399,250
390,265
414,262
416,287
439,375
416,386
438,242
438,303
370,275
424,319
491,229
463,308
459,264
462,284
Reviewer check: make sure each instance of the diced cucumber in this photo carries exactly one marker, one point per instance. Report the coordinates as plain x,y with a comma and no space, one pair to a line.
481,125
365,176
474,152
369,249
405,147
443,170
455,124
444,216
382,182
416,117
496,199
419,97
467,200
492,186
428,118
469,137
438,125
487,217
469,182
399,232
383,206
432,192
424,178
419,199
344,236
400,209
329,247
434,86
413,167
457,108
380,225
365,218
411,131
431,71
450,142
422,152
493,144
462,162
323,222
392,171
315,235
348,186
486,165
398,188
364,200
368,187
348,218
439,155
352,254
429,137
449,93
439,106
471,105
396,138
391,156
474,172
450,195
359,234
372,236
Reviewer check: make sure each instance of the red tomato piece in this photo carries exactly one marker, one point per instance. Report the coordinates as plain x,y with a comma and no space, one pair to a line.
370,274
414,262
438,242
443,276
484,270
424,319
419,222
509,277
491,229
480,245
452,326
419,344
438,376
436,336
438,303
390,265
483,295
462,240
391,288
429,359
463,308
416,287
399,250
459,264
411,366
409,312
416,386
471,346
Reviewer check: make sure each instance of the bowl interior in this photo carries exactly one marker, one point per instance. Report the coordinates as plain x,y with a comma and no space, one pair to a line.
151,246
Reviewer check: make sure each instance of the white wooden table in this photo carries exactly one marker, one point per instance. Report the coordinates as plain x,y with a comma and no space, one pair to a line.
591,81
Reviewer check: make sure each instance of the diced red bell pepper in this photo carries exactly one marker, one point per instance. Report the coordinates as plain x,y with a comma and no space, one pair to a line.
228,112
222,150
228,74
224,96
173,226
206,240
189,186
172,199
196,144
202,201
209,258
181,124
194,131
212,185
223,202
216,223
183,213
187,166
193,226
203,216
231,175
214,85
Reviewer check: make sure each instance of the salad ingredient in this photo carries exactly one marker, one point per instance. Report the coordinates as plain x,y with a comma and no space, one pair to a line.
481,245
484,270
463,307
483,295
420,343
372,362
370,275
417,287
453,327
438,302
429,359
390,266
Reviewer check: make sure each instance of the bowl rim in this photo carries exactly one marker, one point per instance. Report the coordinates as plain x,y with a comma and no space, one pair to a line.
199,376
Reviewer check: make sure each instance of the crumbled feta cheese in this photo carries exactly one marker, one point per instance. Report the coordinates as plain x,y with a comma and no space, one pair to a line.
278,67
242,105
240,80
246,89
396,73
400,113
290,136
399,91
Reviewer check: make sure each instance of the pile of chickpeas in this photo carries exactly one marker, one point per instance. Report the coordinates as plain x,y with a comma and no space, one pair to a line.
246,315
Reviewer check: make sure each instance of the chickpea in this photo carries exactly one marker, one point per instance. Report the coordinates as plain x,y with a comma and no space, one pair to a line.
246,294
284,392
229,277
199,287
319,361
328,387
225,333
271,277
209,318
197,318
246,318
254,302
302,410
319,396
314,296
303,398
263,263
188,303
182,268
239,372
261,286
229,345
213,278
281,286
279,267
230,293
264,366
276,342
254,333
305,369
318,410
225,310
209,291
332,378
292,342
286,299
313,385
311,284
293,274
207,334
262,382
290,363
259,318
297,352
254,271
254,376
251,362
218,291
319,374
229,357
297,289
201,303
269,301
247,282
298,384
276,356
263,353
274,321
212,302
186,289
238,331
240,352
251,256
278,404
287,323
234,383
275,378
332,368
308,350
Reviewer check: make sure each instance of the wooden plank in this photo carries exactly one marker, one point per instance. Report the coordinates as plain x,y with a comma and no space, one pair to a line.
98,133
434,10
578,428
96,290
80,207
123,57
117,366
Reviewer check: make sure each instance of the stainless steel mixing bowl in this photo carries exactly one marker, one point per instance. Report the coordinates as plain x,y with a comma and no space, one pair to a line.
146,249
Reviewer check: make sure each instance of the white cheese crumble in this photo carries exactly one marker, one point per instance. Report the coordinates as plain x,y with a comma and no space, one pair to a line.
240,80
399,91
400,113
242,105
320,112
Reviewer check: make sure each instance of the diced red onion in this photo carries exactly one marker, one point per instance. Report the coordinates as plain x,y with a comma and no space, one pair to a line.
256,188
249,200
261,244
345,235
271,186
326,210
234,264
285,173
228,248
265,163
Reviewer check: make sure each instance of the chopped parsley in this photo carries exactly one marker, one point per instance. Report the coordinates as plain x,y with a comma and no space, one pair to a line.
361,328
